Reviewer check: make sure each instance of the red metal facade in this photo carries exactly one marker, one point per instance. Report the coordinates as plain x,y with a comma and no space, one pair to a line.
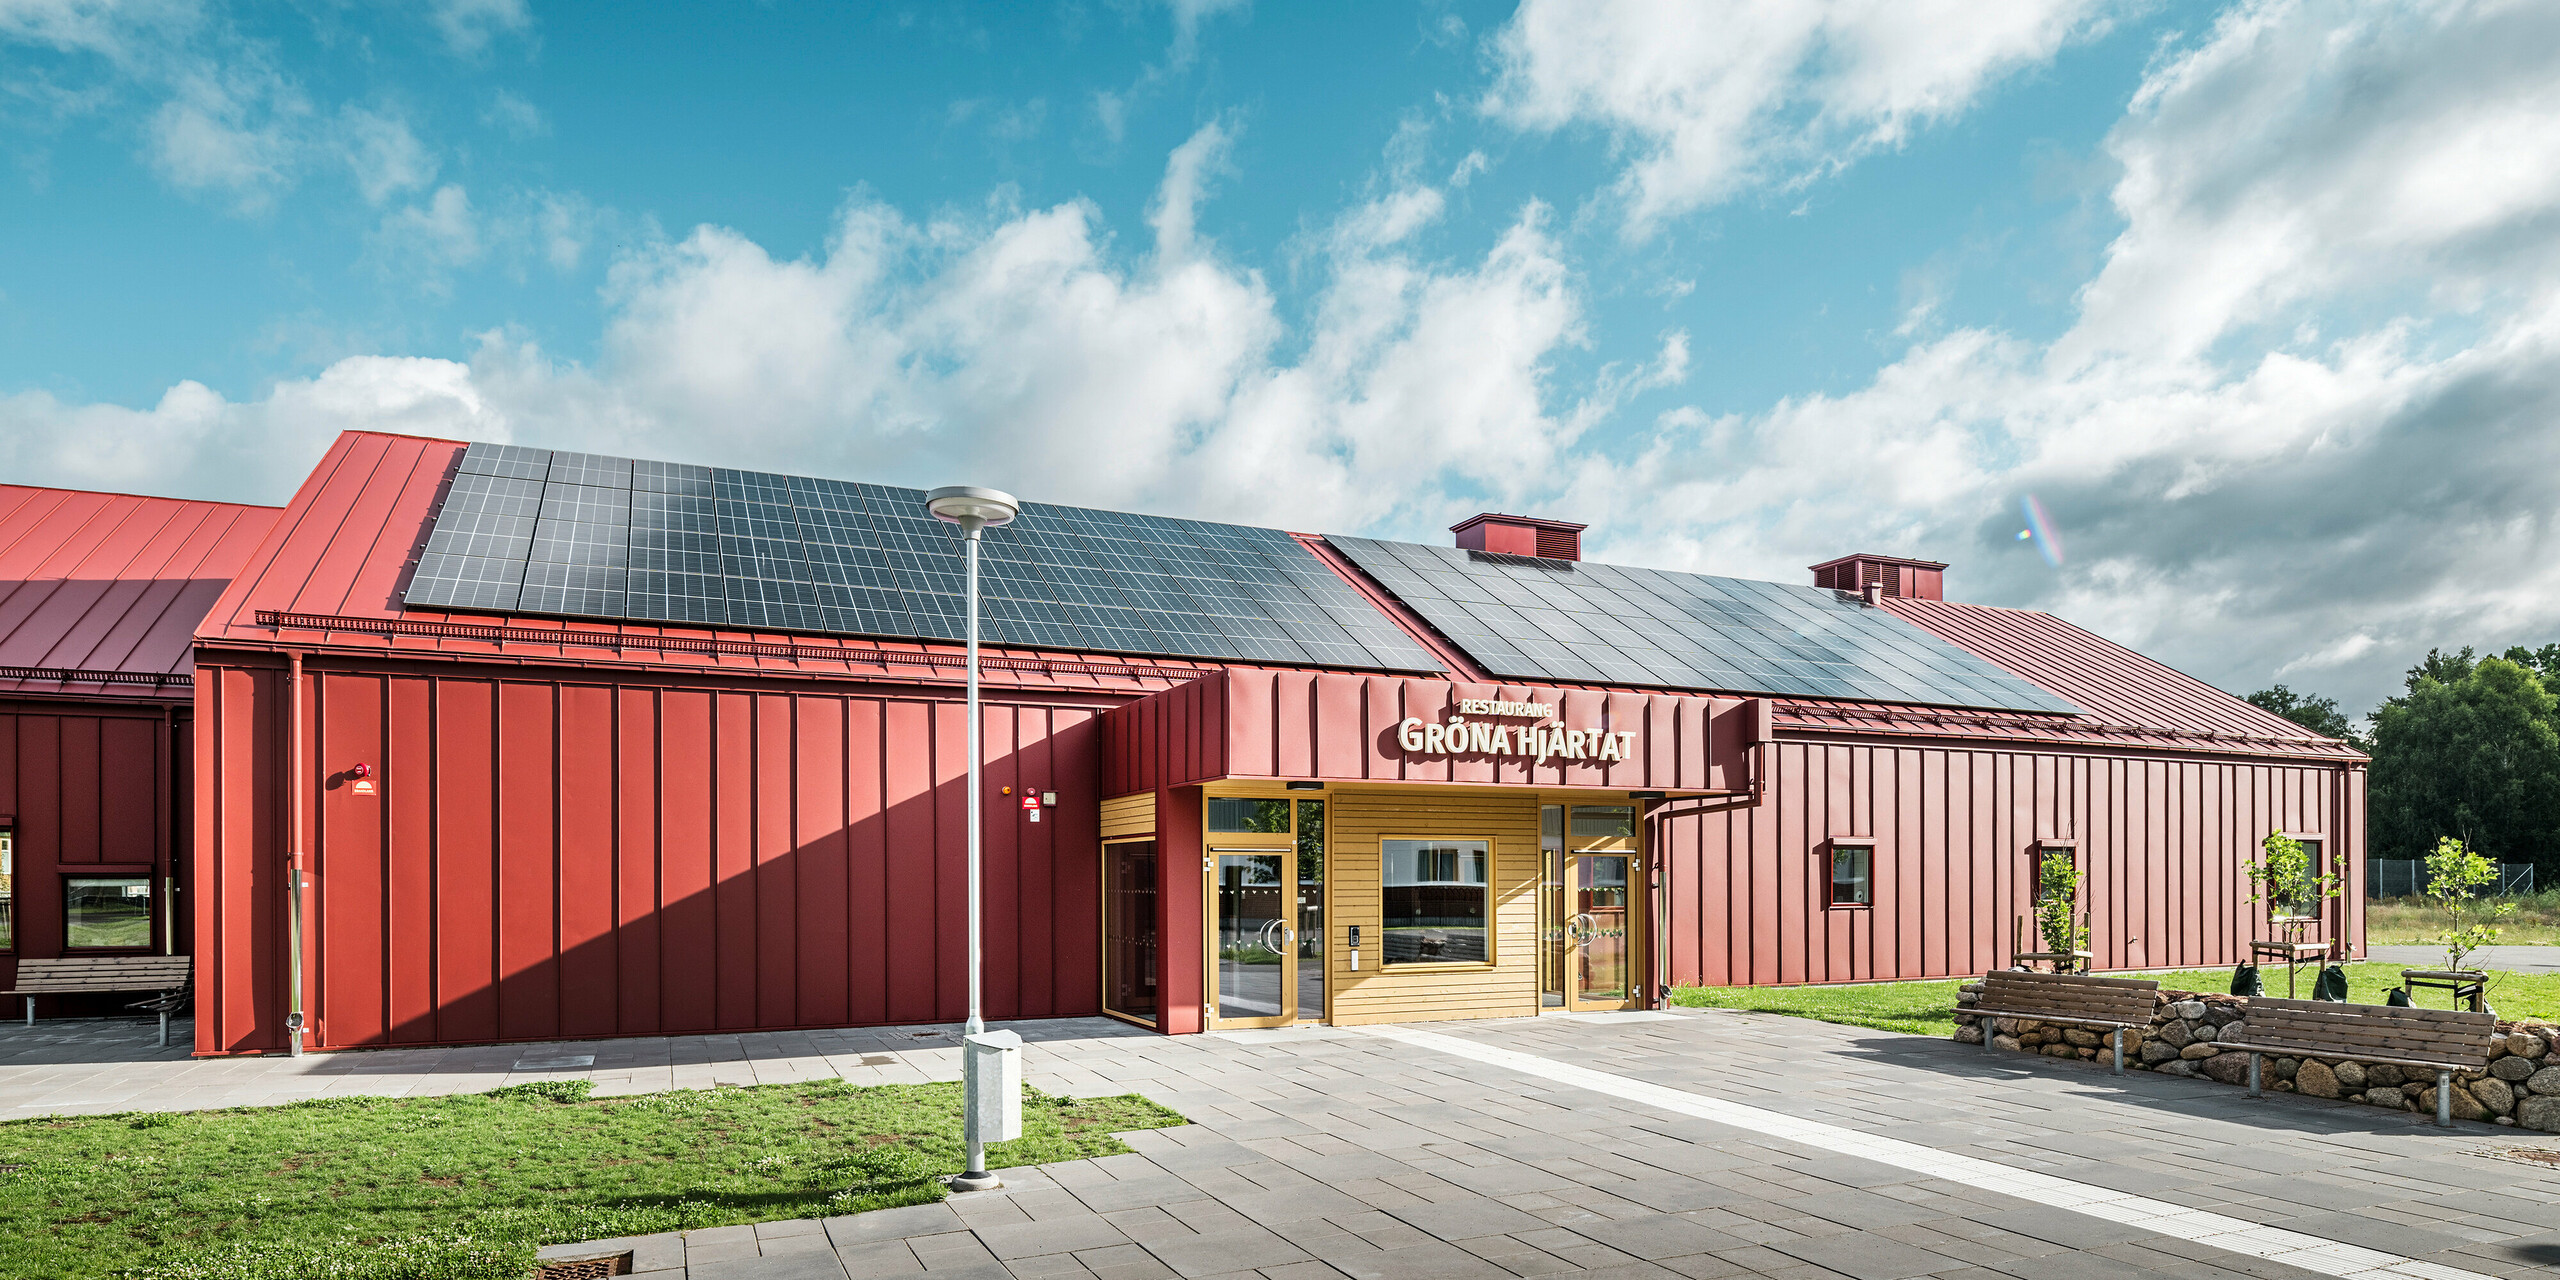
1956,828
100,594
1341,727
550,855
88,789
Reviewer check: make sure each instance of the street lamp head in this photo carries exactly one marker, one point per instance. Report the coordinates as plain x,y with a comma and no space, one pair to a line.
971,507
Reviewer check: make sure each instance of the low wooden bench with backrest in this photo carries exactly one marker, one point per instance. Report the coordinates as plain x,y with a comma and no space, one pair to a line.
165,977
2070,999
2440,1040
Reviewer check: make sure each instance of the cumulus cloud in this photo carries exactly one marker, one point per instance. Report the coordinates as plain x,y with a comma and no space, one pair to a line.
1016,346
1706,100
2303,423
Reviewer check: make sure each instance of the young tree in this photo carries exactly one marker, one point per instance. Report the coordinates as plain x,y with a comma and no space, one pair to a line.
2454,877
2285,879
2477,755
2319,715
2058,907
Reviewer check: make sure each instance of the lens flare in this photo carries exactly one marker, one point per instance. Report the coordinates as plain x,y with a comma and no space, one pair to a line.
2040,530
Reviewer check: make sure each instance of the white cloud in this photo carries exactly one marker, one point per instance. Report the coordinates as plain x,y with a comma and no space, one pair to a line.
517,116
2243,497
386,157
232,131
1704,100
468,26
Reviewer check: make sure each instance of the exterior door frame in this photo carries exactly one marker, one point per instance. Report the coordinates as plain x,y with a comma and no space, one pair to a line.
1637,905
1218,1019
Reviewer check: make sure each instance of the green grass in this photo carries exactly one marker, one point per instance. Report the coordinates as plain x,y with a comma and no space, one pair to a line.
465,1187
2394,922
1928,1008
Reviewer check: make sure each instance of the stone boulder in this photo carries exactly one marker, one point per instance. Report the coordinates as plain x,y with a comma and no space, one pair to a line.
2494,1094
2525,1043
1969,1035
2059,1051
2383,1073
2157,1051
2188,1008
2315,1079
2540,1112
2545,1082
2176,1067
2174,1034
2081,1039
2465,1107
2350,1076
2005,1042
2387,1097
2198,1050
2513,1070
2229,1068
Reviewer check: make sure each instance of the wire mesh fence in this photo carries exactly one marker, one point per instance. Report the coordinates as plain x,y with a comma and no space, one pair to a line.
2406,878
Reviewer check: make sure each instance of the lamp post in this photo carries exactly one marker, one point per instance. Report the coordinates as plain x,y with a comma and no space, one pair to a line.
975,510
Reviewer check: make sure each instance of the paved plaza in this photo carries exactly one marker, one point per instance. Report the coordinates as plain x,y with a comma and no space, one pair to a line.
1692,1143
2510,959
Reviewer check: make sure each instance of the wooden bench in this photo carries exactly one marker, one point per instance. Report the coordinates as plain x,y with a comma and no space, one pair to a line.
2072,999
2440,1040
164,976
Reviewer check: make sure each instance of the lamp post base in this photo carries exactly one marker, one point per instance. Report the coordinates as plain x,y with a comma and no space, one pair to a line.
976,1180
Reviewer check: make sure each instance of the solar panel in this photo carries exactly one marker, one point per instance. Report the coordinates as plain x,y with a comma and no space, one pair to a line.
588,535
1527,618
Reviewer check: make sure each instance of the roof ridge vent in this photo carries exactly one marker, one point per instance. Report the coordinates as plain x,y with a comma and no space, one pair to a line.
1898,576
1520,536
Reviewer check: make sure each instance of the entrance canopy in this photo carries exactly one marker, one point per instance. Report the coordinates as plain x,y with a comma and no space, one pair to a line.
1244,724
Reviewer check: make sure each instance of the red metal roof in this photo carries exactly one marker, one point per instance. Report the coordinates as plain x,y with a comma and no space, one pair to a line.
2125,693
100,593
331,576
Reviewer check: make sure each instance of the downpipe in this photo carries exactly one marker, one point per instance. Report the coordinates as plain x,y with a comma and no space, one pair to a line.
294,858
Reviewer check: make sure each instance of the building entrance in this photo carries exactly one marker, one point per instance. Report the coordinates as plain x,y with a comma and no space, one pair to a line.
1266,898
1590,911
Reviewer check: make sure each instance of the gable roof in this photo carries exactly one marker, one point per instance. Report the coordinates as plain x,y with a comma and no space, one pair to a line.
332,575
100,593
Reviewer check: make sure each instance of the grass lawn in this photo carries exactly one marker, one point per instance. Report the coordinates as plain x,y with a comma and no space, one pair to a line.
465,1187
2392,922
1929,1008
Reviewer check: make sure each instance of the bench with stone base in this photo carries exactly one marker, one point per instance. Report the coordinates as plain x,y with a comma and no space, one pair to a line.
165,977
2070,999
2440,1040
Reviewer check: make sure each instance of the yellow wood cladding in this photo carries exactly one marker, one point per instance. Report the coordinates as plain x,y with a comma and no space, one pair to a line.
1130,815
1356,820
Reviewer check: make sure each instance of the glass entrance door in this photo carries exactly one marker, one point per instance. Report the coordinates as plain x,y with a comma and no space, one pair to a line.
1600,932
1257,937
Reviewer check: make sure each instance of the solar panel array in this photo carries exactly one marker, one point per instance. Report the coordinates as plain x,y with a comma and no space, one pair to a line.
582,535
1527,618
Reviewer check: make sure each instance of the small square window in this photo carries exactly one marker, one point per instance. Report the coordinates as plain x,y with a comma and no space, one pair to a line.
1852,884
106,911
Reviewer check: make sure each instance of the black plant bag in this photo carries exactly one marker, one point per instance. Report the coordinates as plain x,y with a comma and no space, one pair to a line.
2245,981
2399,999
2332,985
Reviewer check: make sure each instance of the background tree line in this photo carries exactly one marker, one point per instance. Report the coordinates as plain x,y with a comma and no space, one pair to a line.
2471,750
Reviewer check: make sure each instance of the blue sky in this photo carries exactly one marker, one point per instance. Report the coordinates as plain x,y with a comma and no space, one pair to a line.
2255,297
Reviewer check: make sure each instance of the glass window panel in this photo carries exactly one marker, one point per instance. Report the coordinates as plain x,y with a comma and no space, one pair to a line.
1603,822
1436,899
1850,886
1129,928
8,890
106,911
1248,816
